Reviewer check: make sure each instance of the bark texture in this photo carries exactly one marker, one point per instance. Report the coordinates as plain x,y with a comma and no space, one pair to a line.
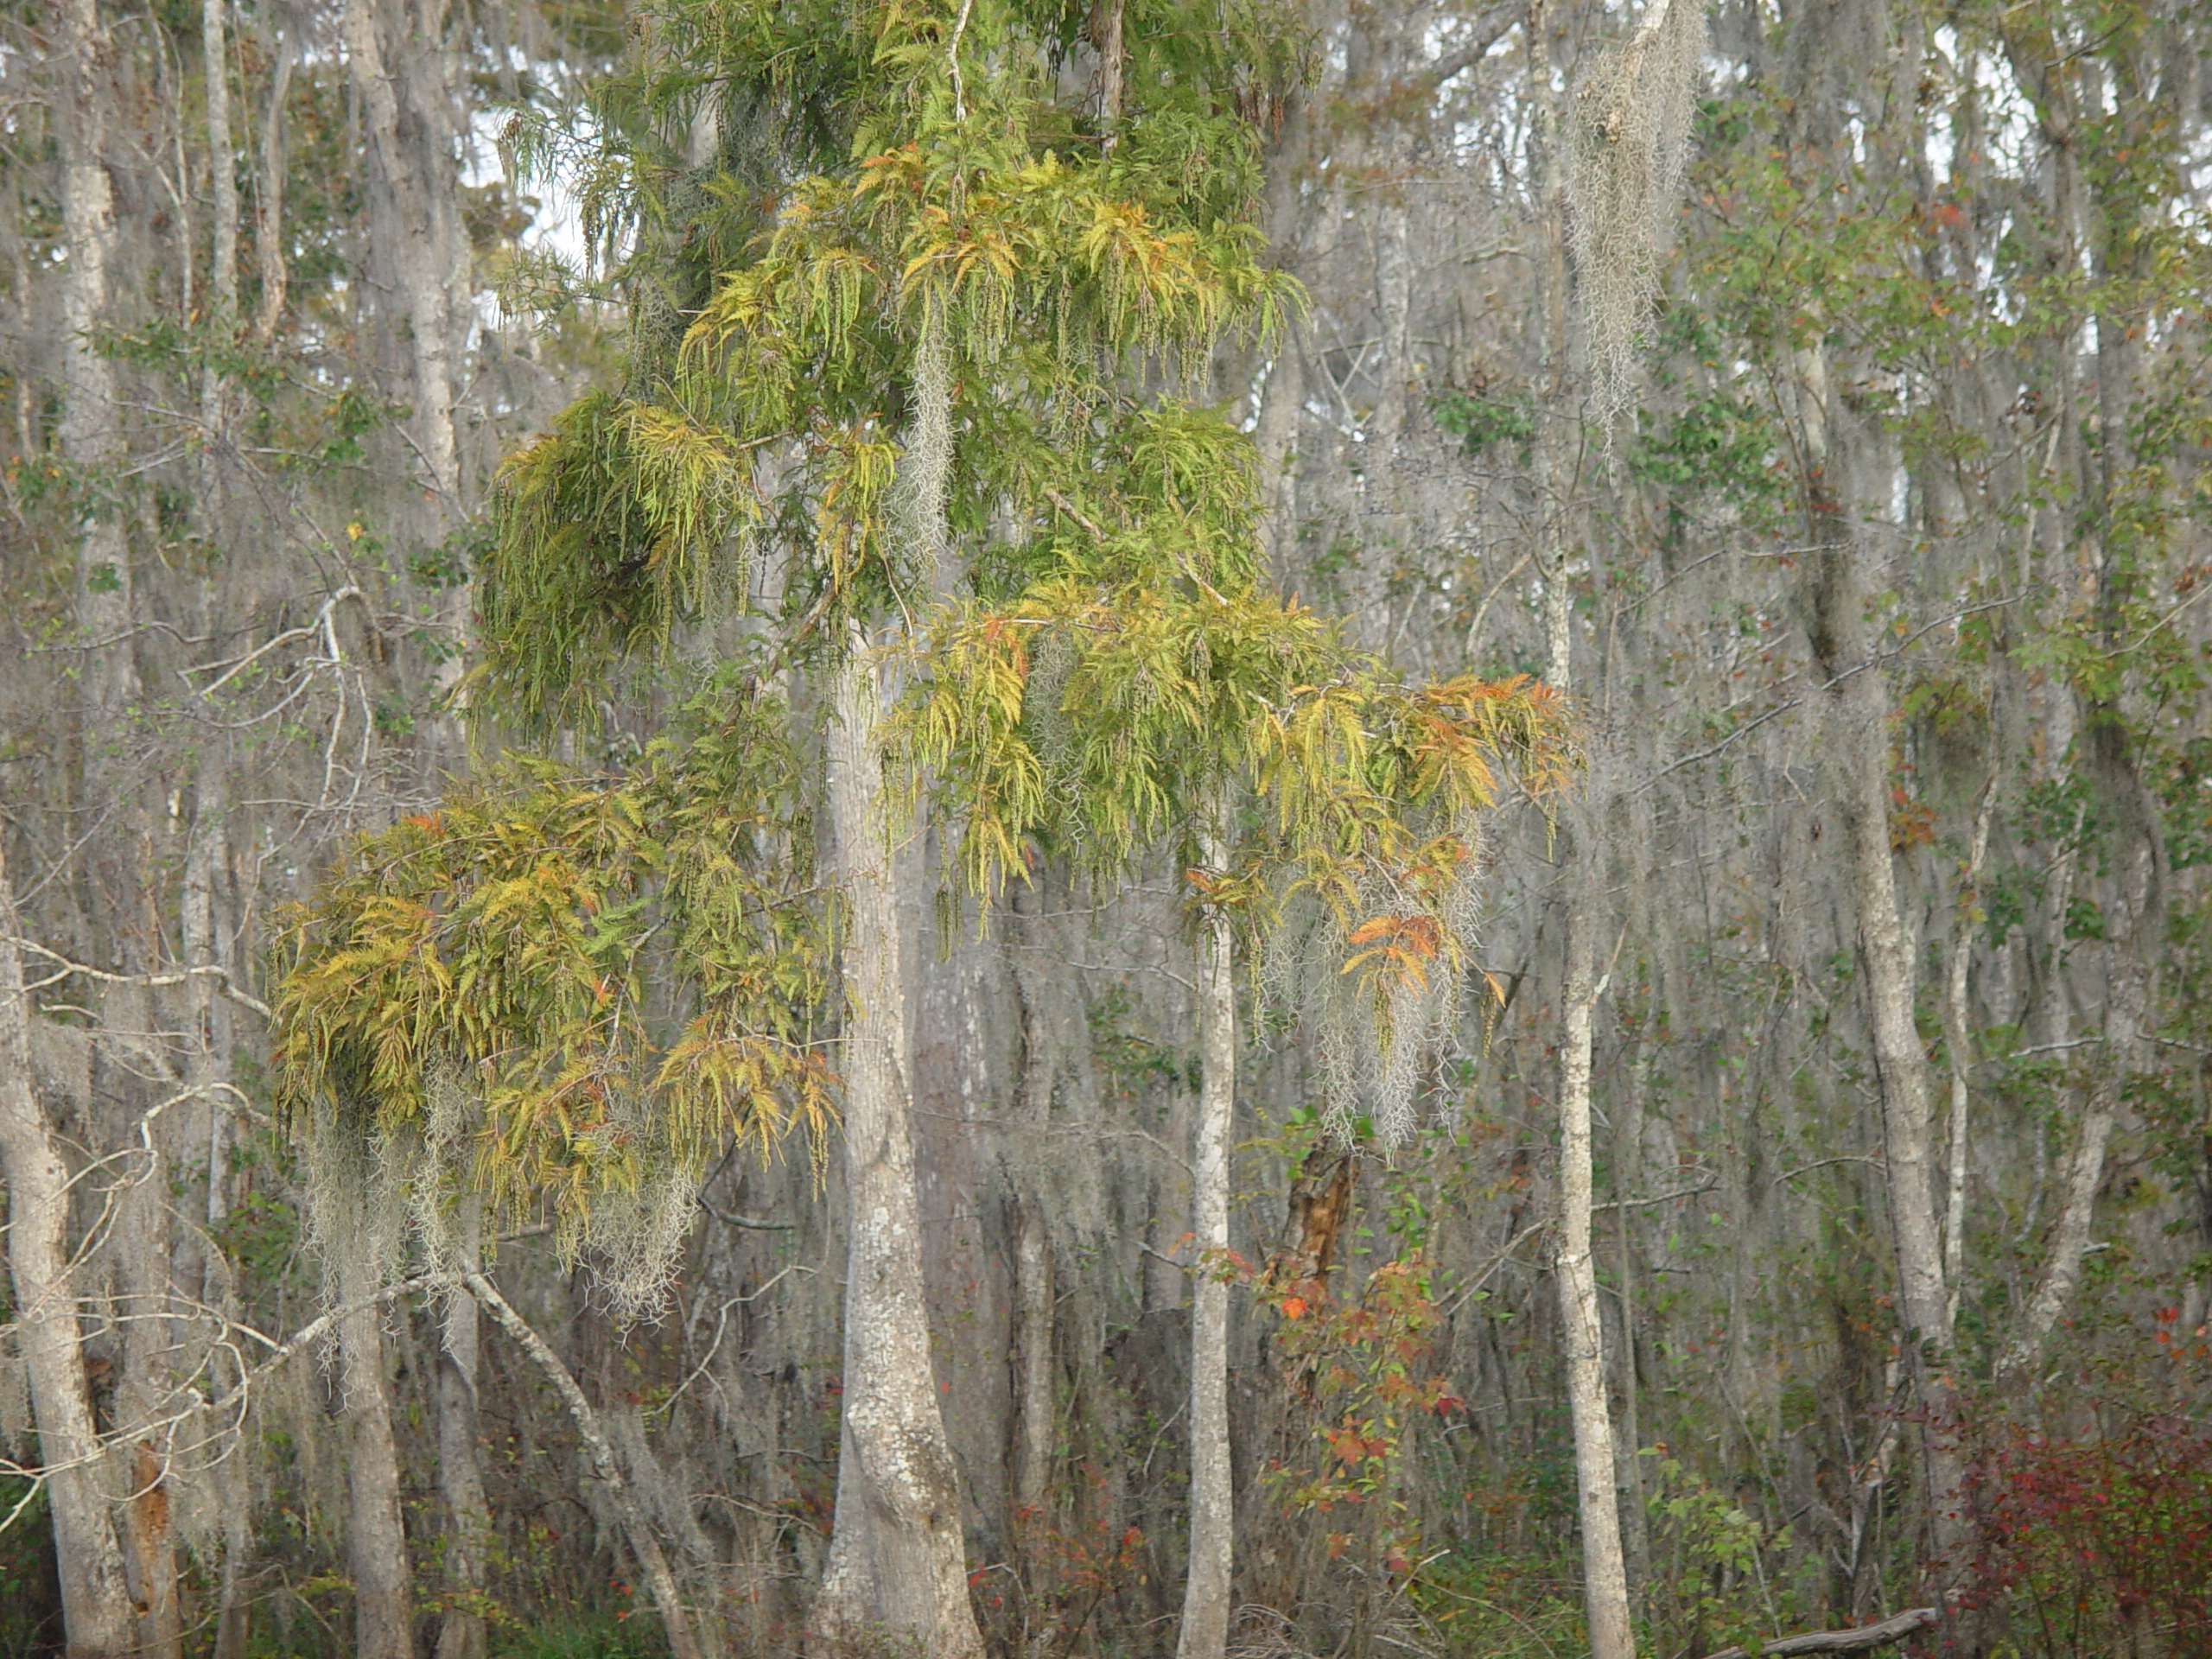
1604,1576
100,1620
896,1568
461,1463
1207,1588
375,1539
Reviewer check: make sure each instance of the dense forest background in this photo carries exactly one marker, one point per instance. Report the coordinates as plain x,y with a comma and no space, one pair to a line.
1876,895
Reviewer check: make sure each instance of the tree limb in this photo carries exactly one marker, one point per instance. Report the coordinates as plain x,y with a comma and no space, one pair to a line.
1891,1629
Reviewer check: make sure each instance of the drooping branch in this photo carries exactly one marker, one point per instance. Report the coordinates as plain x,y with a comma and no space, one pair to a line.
605,1466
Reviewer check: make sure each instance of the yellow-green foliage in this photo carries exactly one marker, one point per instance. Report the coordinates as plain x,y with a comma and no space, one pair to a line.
1150,681
624,505
963,264
1173,698
622,971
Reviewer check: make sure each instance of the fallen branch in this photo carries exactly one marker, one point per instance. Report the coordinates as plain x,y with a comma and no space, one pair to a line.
1852,1641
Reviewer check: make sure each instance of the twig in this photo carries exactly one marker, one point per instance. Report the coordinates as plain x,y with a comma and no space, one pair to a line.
1074,513
1710,1182
721,1320
729,1220
237,665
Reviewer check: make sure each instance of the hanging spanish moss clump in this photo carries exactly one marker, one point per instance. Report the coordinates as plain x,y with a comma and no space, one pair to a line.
1628,146
1379,988
370,1190
1053,661
359,1183
925,468
633,1230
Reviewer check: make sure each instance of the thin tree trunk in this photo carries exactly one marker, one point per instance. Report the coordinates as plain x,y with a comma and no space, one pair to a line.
2070,1240
96,1615
411,216
897,1567
1604,1572
145,1394
1106,23
89,435
223,185
1033,1266
461,1467
1957,1040
222,165
2135,922
233,1483
1908,1149
1205,1633
1604,1568
269,264
605,1465
1859,739
376,1542
229,1482
90,439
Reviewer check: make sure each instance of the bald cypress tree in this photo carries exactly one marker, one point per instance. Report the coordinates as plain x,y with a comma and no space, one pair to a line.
890,290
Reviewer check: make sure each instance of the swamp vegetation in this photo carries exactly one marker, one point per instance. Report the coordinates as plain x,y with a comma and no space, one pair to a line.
1209,826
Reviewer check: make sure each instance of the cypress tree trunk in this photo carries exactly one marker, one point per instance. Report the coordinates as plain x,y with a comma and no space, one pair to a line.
269,197
89,435
146,1393
1604,1573
411,212
95,1609
376,1541
222,184
1213,1508
1858,729
896,1566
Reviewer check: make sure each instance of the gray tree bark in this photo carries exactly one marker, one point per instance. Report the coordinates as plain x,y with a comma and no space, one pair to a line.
1960,1043
897,1567
145,1394
1033,1276
99,1620
407,123
1205,1633
269,264
1605,1573
376,1541
89,435
222,184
